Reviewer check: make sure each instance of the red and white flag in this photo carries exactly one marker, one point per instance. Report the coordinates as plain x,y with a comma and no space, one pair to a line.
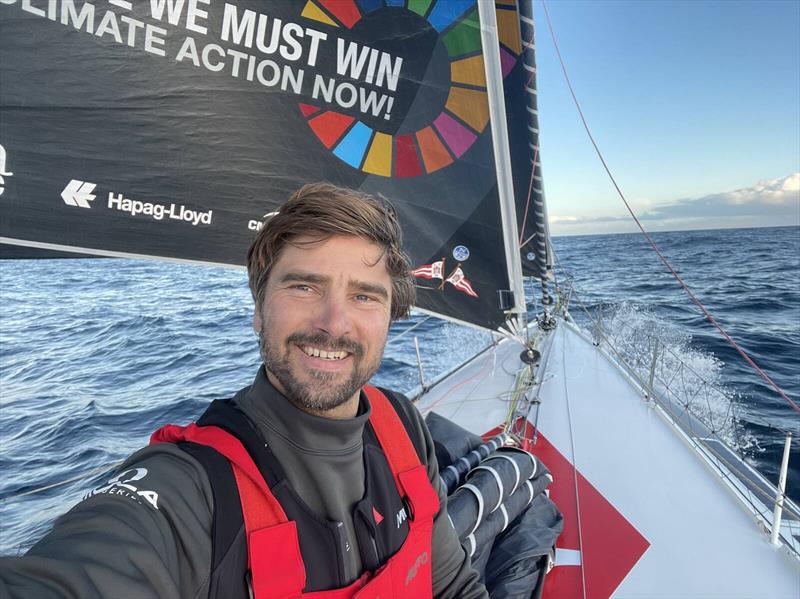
430,271
460,282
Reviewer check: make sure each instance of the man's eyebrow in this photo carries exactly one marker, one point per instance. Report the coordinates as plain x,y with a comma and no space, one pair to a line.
374,288
303,277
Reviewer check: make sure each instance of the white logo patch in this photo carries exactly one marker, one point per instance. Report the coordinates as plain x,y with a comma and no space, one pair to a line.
78,193
121,485
401,517
3,171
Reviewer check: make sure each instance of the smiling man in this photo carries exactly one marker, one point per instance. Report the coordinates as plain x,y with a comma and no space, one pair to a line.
323,321
309,481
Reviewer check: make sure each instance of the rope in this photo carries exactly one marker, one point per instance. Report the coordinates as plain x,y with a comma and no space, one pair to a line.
408,330
574,462
652,243
484,369
751,492
98,470
597,322
687,407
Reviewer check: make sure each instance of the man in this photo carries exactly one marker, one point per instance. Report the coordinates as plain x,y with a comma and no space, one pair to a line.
307,481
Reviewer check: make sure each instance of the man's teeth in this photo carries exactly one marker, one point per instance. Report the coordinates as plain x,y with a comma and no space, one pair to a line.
321,353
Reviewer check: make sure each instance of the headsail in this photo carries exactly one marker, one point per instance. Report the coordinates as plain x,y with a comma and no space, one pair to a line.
170,129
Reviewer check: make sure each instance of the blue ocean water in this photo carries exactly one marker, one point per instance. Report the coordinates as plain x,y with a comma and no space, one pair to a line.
96,354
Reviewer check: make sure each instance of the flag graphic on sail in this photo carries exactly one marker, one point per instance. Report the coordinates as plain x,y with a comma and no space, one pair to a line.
430,271
460,282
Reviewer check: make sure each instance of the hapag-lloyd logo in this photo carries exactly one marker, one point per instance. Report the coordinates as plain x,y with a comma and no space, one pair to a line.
158,211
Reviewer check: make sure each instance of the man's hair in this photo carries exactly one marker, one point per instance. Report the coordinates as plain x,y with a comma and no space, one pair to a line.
322,210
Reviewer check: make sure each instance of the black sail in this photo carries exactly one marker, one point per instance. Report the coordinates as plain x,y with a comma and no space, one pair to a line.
169,130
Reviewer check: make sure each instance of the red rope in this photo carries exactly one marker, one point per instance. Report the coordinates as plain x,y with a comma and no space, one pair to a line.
666,262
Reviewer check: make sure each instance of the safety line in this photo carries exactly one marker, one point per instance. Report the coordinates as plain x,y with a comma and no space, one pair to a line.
408,330
574,458
664,260
61,483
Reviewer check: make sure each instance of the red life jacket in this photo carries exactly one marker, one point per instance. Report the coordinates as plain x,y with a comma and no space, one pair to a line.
275,563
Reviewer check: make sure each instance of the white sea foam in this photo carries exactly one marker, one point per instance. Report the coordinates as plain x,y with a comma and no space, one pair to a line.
682,374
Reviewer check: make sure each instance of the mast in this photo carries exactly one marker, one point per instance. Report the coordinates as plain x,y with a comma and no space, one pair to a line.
541,238
505,184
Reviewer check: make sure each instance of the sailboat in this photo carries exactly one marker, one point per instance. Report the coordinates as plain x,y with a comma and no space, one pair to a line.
171,130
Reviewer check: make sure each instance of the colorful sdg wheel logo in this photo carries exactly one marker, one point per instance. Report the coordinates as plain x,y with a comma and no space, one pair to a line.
466,111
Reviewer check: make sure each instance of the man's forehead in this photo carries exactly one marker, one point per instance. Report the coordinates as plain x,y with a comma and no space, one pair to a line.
341,248
361,259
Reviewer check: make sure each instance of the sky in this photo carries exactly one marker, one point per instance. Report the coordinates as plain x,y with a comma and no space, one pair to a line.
695,105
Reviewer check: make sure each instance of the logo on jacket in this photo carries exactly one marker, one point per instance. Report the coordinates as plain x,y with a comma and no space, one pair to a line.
121,485
421,560
401,516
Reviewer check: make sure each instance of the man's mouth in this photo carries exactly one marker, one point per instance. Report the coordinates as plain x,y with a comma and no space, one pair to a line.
316,352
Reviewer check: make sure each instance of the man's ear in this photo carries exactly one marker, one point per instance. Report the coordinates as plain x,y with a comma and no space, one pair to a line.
257,321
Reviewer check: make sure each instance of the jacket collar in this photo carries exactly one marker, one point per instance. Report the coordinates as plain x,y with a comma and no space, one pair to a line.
273,414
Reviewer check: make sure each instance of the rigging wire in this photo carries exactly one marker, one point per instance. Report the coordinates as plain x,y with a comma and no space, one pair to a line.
600,329
647,236
61,483
752,491
574,462
408,330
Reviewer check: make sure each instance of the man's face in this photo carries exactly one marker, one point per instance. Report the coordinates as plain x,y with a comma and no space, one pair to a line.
324,322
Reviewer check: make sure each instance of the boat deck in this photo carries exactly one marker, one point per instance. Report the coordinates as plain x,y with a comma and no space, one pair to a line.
646,512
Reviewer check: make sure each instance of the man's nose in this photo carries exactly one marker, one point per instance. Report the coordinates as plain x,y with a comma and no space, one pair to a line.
333,316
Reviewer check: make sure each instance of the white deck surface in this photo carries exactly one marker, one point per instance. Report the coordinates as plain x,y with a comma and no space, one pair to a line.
702,542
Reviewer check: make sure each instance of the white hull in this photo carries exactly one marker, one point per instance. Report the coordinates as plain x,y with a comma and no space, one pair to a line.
656,520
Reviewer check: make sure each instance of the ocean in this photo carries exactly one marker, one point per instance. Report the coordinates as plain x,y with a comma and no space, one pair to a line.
96,354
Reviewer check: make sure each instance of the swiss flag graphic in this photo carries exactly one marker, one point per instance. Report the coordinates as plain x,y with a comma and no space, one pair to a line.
611,545
377,515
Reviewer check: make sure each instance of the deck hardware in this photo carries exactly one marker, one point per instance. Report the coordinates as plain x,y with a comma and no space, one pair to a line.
531,356
776,518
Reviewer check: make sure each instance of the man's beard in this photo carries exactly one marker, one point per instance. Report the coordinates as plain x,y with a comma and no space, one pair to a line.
319,393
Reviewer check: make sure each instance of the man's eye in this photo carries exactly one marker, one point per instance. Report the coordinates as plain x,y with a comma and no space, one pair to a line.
364,298
301,287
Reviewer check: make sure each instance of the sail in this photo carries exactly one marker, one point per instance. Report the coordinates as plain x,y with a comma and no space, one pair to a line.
534,236
170,129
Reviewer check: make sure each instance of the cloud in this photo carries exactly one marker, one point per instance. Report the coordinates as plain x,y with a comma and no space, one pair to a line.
775,191
775,195
583,220
768,202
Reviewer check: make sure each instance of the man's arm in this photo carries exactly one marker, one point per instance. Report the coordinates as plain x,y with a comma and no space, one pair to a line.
453,575
146,533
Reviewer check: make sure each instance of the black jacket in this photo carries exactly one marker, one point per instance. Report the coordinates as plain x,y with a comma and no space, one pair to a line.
148,532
